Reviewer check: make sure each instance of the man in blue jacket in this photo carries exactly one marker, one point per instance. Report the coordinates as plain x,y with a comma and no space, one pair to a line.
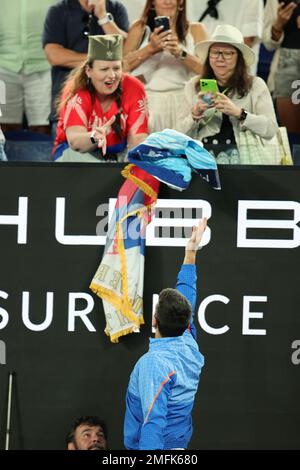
164,381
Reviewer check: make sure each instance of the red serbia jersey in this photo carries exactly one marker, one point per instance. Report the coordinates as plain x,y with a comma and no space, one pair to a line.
82,110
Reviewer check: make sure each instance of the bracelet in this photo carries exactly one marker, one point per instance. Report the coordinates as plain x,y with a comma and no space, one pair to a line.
197,117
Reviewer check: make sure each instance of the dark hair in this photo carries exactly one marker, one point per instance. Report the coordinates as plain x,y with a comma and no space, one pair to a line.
240,82
182,24
91,420
173,313
77,80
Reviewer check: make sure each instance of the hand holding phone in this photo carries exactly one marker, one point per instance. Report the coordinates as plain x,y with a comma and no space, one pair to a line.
210,88
162,21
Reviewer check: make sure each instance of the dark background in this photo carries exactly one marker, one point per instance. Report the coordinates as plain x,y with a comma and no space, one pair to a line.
249,393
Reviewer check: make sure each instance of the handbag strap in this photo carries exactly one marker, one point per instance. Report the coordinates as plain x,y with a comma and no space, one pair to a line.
285,152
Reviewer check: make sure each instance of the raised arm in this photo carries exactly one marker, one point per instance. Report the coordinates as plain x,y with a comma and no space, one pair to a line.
190,61
119,25
134,55
187,277
275,19
194,242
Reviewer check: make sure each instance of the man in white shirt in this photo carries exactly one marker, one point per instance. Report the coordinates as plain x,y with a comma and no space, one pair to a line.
246,15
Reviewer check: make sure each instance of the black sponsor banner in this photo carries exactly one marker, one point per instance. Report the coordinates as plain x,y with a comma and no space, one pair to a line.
53,221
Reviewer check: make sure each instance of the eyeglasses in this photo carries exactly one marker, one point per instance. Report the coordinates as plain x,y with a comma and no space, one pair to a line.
87,20
226,55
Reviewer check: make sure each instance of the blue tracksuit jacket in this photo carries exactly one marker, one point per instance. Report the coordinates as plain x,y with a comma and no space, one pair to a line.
163,385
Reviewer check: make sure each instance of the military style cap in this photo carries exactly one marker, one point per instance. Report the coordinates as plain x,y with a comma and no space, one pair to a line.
105,47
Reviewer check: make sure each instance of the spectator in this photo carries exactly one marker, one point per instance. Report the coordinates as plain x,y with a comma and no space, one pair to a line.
164,381
246,15
67,27
23,66
282,33
164,61
87,433
240,120
102,110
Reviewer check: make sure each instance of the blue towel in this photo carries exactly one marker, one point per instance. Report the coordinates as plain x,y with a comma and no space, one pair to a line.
171,157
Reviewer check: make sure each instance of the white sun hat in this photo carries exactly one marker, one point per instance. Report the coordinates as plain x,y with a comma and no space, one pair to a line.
226,34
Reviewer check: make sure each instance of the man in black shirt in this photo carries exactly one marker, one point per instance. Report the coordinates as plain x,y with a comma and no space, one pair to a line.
67,27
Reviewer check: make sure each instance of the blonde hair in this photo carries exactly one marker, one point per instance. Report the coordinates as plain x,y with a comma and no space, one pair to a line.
75,81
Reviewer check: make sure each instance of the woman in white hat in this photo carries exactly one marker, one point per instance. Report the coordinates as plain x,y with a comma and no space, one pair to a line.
102,111
240,112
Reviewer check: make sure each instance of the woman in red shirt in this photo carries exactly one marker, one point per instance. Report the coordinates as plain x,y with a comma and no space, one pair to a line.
102,111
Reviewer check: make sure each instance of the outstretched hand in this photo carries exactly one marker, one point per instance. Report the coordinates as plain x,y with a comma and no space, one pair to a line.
284,14
100,134
196,237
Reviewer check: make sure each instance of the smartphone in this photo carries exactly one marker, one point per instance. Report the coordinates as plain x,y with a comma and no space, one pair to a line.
162,21
210,88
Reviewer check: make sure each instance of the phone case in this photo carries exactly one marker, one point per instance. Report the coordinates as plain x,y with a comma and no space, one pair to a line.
162,21
209,86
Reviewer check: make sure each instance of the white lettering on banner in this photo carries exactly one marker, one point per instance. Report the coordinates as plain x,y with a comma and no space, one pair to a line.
2,353
20,220
3,313
72,239
244,223
201,314
49,313
181,211
296,354
73,313
247,314
182,208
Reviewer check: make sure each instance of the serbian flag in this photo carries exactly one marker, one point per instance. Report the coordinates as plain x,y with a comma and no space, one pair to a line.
119,280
